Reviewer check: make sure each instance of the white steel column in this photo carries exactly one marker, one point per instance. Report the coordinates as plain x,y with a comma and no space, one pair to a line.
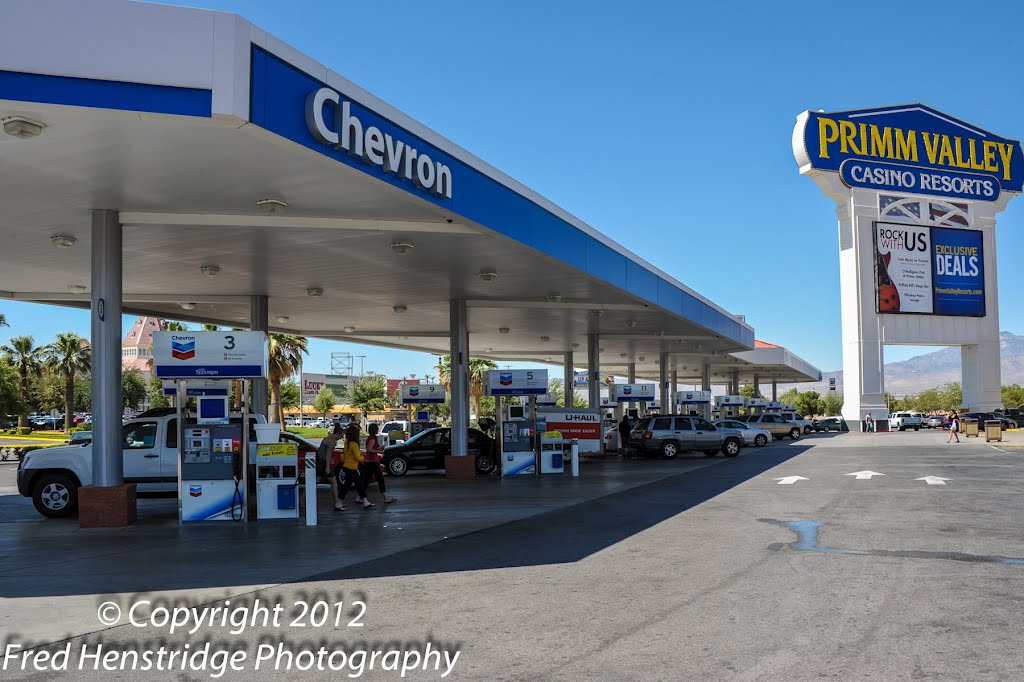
107,455
568,379
757,386
459,348
980,377
705,377
593,371
663,399
673,389
775,390
259,321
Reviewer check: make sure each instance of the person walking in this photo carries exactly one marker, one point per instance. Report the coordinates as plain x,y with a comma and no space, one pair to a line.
332,458
352,458
372,465
869,421
954,426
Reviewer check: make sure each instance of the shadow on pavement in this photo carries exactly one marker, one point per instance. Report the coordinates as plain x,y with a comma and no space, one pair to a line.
571,533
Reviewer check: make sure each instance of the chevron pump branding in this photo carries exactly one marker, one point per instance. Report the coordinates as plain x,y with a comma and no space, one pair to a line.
210,355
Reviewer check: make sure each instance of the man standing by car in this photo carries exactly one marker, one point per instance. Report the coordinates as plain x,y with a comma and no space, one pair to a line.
624,429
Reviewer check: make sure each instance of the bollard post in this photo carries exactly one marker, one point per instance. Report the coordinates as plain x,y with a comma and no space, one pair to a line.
310,488
575,455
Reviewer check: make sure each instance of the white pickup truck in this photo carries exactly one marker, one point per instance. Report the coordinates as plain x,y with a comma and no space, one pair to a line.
52,476
901,421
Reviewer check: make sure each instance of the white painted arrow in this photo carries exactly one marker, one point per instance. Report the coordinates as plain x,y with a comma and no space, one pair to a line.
790,480
864,474
934,480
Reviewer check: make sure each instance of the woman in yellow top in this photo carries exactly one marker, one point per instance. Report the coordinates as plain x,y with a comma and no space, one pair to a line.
350,469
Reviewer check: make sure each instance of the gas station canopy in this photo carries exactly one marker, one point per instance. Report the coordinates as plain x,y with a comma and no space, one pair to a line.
240,168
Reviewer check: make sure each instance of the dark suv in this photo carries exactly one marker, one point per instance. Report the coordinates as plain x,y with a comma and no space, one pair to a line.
668,436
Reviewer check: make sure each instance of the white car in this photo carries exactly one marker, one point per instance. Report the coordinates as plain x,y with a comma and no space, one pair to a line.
901,421
806,424
752,435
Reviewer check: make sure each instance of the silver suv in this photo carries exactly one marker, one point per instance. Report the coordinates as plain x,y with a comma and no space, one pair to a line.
670,435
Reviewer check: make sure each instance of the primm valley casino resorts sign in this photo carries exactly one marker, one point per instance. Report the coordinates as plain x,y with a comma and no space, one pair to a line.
909,149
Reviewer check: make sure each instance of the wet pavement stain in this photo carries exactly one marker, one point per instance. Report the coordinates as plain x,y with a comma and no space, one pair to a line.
807,541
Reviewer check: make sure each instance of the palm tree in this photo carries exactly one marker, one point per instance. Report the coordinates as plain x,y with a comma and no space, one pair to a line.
478,369
69,356
177,327
284,358
25,357
3,321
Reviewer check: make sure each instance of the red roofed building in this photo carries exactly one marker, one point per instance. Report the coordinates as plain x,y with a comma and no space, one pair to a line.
138,344
764,344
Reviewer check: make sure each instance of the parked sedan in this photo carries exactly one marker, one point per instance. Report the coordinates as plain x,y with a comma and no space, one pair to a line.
983,417
936,421
752,435
427,450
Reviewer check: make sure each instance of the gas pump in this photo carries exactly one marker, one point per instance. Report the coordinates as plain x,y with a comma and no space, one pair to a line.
213,448
212,465
277,480
695,403
773,407
728,406
518,425
756,406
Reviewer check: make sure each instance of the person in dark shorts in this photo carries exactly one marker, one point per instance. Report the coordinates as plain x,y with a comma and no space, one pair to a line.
371,466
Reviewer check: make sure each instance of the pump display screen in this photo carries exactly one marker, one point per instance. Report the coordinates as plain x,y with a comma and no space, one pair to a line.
212,410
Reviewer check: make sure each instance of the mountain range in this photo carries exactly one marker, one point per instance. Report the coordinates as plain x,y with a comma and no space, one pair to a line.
932,369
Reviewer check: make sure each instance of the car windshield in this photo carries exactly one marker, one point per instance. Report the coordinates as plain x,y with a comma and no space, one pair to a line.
388,428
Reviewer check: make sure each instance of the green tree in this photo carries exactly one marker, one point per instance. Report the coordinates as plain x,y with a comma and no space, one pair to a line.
556,386
284,359
808,403
209,328
832,404
747,391
951,395
174,326
10,392
69,357
324,402
133,389
289,395
3,321
1013,395
155,393
26,358
789,397
369,393
929,400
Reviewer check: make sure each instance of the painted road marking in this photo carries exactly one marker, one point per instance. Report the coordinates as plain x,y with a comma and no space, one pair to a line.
790,480
934,480
864,475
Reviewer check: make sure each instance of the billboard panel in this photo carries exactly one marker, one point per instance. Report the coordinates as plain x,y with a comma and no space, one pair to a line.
928,270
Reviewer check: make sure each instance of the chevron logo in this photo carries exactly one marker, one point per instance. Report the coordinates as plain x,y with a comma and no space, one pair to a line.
183,350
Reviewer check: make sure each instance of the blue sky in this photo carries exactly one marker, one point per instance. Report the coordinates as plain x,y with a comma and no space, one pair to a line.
663,124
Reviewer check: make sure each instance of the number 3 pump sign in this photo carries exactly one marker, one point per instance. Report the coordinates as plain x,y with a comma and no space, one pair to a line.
206,355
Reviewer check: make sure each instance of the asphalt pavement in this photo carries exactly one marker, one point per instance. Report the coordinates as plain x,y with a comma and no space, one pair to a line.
882,556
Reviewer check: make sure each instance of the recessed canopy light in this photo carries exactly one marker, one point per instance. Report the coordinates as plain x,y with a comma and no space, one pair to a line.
574,345
400,308
187,305
487,275
545,339
63,241
271,206
631,324
622,355
553,298
642,358
401,248
488,350
210,270
76,289
283,318
23,128
659,333
503,330
315,292
597,313
349,330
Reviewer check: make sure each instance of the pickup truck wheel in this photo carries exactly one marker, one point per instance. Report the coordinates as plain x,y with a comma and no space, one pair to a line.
760,440
903,428
794,433
670,449
917,428
55,496
807,429
731,448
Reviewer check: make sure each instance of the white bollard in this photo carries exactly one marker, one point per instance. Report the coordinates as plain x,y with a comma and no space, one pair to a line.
575,454
310,488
